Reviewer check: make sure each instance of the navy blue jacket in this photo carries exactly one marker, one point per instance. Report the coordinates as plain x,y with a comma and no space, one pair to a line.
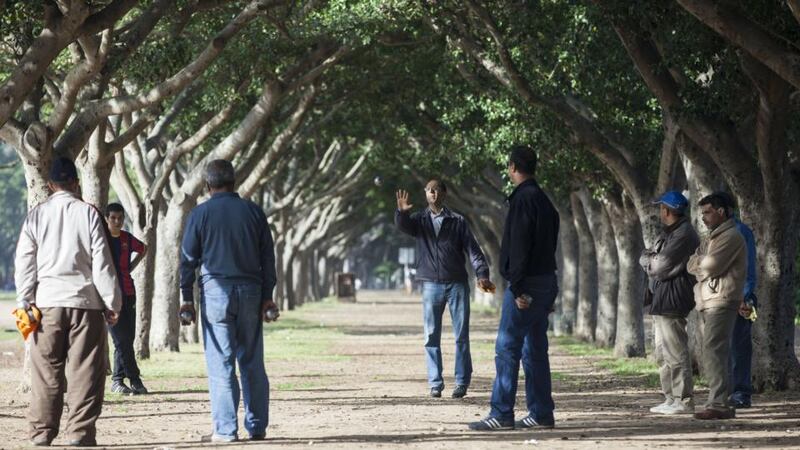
529,238
229,239
441,259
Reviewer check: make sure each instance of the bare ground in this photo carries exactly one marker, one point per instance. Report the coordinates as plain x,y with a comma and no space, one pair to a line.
367,389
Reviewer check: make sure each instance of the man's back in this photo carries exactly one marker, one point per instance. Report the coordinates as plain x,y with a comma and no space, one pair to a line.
531,234
229,239
63,258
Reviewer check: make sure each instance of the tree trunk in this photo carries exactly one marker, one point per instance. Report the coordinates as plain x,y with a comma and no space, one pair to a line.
164,332
36,175
607,269
775,364
96,183
144,278
629,340
567,305
587,274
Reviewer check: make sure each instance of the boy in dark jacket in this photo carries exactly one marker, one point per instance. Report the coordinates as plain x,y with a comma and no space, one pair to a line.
671,299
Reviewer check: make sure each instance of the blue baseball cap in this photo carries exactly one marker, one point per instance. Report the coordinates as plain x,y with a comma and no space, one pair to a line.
673,199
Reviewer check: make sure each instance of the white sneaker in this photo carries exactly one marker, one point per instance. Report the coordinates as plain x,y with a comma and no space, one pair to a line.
659,409
678,407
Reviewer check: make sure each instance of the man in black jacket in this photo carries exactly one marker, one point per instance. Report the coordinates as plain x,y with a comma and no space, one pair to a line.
671,298
528,263
443,237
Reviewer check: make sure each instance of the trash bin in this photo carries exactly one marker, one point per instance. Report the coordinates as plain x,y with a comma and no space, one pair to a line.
345,287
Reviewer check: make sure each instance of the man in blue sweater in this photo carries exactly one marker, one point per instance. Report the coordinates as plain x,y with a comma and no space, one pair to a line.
740,366
443,238
229,239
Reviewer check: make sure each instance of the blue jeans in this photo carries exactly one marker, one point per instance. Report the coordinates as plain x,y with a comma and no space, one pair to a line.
522,336
740,361
434,298
232,331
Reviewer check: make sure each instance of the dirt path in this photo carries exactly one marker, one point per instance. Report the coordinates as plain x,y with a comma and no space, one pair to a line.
358,381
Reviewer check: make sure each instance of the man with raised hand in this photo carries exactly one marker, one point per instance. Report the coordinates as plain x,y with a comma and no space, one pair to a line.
64,267
443,238
229,240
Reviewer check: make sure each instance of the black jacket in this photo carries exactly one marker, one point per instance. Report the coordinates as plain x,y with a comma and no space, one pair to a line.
670,285
529,238
441,259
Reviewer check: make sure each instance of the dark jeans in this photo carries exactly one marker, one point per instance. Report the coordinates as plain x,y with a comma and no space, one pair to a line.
740,362
522,336
123,334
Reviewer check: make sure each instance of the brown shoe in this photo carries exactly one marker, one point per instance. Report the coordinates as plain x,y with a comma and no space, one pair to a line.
713,414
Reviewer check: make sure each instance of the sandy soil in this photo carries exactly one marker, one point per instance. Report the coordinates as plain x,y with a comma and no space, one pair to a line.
371,393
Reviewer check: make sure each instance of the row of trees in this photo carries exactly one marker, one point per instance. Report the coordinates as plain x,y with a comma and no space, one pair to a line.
311,101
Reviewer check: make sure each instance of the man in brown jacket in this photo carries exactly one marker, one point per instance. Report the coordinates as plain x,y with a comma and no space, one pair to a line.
720,265
64,267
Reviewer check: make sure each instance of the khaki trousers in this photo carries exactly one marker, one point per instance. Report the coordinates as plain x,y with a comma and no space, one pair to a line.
717,326
69,348
672,357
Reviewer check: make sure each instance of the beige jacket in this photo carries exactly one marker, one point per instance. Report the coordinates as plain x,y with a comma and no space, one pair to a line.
64,259
720,266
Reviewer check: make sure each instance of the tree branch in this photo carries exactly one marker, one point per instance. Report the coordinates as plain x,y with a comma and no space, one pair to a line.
78,132
773,51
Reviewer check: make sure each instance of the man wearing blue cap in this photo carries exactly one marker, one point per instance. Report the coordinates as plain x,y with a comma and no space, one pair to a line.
670,298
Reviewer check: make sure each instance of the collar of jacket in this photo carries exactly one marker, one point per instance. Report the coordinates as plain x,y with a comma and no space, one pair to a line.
529,182
445,211
670,228
723,227
224,194
64,194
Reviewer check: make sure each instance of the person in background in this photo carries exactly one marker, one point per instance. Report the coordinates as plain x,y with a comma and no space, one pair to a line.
742,337
123,246
671,300
719,265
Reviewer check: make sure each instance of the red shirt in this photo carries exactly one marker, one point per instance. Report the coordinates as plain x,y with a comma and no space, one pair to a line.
123,247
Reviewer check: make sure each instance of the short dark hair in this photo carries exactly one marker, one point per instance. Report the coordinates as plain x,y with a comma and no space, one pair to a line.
63,172
114,207
730,200
440,182
717,200
220,174
524,159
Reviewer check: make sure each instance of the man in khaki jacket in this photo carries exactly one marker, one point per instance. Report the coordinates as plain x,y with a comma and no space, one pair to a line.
64,267
720,265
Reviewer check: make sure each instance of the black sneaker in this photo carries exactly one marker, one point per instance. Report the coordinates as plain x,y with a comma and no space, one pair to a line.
137,388
460,391
436,392
491,424
119,387
531,422
258,437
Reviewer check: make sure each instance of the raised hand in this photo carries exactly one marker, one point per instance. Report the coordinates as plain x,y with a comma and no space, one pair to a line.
402,200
